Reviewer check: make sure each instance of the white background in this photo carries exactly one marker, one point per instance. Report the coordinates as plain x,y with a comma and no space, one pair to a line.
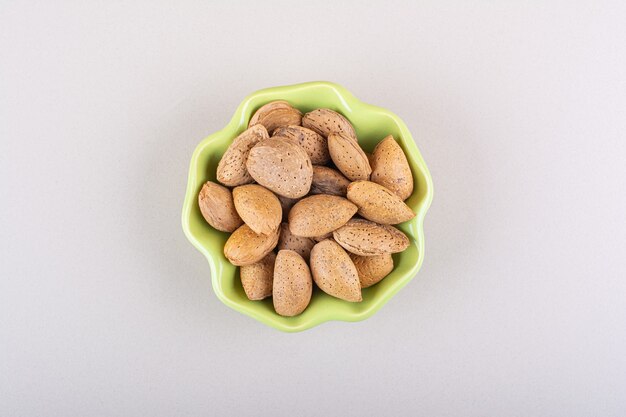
518,109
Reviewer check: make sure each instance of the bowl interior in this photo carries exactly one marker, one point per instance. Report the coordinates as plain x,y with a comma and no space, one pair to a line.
372,124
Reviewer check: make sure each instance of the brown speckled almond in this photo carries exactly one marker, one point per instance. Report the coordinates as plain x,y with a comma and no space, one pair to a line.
378,204
257,279
276,114
326,121
244,247
217,207
258,207
281,166
292,284
328,181
312,142
391,169
366,238
299,244
334,272
372,269
319,214
231,170
348,157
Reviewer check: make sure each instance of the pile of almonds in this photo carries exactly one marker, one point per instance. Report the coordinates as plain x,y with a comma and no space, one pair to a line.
299,191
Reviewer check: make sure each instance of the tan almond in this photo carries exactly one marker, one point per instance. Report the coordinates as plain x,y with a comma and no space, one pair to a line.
312,142
372,269
319,214
348,157
217,207
258,207
391,169
366,238
327,121
231,170
276,114
328,181
299,244
245,247
334,272
281,166
257,279
293,285
378,204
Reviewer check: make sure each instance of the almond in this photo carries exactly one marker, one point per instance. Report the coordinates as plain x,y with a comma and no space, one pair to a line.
244,247
257,279
292,286
231,170
334,272
217,207
258,207
349,157
377,203
372,269
366,238
281,166
319,214
391,169
299,244
326,121
312,142
276,114
328,181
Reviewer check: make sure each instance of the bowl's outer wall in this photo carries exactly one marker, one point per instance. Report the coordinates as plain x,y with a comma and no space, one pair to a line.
372,124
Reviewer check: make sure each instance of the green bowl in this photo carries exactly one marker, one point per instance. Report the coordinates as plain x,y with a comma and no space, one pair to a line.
372,124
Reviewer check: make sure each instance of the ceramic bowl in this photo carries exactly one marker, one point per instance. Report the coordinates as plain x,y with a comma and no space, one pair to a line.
372,124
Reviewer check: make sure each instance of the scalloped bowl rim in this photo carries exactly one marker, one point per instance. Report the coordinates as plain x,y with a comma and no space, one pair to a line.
415,225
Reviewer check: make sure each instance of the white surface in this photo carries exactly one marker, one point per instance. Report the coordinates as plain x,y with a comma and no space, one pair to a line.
519,111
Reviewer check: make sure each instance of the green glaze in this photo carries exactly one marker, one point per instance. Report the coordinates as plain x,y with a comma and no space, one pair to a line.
372,124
